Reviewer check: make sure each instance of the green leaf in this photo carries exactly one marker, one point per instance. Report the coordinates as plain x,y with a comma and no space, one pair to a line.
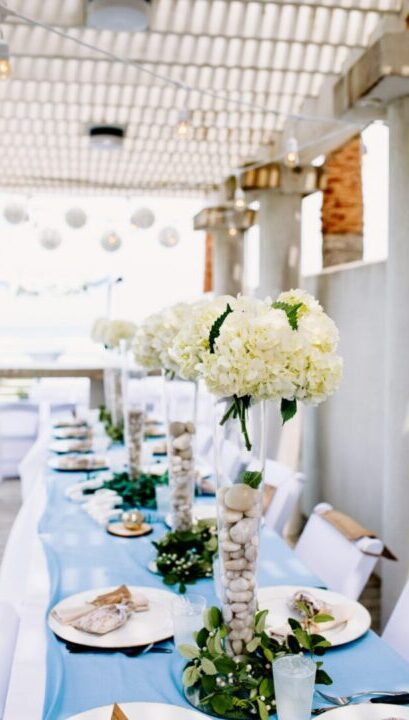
262,710
291,311
303,638
253,644
322,678
261,618
221,703
190,676
201,637
190,652
322,618
208,683
288,409
225,664
252,478
216,327
268,654
215,618
208,667
267,687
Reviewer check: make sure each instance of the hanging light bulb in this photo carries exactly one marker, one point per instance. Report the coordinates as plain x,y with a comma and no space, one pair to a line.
5,65
110,241
168,237
183,124
239,198
292,158
232,231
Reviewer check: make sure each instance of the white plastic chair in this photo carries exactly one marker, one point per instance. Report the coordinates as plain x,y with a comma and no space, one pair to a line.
288,488
9,622
342,565
396,632
18,431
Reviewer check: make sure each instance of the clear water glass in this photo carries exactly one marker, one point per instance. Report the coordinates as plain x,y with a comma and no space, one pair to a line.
187,614
162,495
294,680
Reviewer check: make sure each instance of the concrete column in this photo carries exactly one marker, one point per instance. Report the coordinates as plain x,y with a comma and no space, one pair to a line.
228,262
280,241
396,476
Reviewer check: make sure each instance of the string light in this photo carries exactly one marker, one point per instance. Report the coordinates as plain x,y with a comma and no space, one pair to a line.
292,157
5,65
183,124
111,241
239,198
232,231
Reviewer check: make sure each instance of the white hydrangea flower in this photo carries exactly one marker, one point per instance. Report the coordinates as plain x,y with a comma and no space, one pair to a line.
154,338
193,339
98,329
117,330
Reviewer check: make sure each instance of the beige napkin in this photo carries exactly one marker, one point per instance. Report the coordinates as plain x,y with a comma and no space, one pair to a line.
118,714
137,603
341,614
352,529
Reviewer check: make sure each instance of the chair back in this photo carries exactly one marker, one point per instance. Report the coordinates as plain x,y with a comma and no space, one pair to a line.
9,623
396,632
288,486
18,419
342,565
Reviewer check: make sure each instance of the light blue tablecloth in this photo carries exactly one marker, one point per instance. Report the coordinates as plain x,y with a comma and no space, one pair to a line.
81,555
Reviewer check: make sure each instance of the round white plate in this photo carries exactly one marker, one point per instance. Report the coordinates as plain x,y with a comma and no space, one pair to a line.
368,711
201,511
76,433
142,628
93,464
64,447
138,710
275,599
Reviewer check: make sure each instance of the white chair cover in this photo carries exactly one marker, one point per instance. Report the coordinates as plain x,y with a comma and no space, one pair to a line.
9,622
288,487
342,565
19,423
396,632
31,467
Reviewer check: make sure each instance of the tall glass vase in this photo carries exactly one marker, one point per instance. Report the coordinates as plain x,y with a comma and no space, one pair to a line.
181,411
240,474
133,412
113,390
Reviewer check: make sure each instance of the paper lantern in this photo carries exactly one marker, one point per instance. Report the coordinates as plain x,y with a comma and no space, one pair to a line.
50,238
169,236
75,217
15,213
110,241
143,218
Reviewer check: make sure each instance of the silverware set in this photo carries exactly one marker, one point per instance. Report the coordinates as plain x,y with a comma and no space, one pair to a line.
392,697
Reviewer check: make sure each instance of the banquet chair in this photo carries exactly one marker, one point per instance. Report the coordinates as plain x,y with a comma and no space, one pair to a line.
342,565
9,622
396,632
288,487
31,467
19,422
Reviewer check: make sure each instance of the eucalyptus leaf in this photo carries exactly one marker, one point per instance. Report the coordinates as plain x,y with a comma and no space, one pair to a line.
190,652
208,667
190,676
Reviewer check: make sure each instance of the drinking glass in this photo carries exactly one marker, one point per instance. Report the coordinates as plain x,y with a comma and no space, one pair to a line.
187,614
162,494
294,679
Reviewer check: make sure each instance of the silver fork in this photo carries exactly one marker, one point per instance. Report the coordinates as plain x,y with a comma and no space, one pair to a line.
346,699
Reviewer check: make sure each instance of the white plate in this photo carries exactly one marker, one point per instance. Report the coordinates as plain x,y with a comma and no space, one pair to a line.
142,628
138,710
68,433
201,511
64,447
368,711
275,599
63,464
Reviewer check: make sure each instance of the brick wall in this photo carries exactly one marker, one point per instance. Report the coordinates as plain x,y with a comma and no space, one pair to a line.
342,208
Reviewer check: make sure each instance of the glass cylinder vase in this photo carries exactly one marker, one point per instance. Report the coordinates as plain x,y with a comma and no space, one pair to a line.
180,412
240,473
113,399
134,407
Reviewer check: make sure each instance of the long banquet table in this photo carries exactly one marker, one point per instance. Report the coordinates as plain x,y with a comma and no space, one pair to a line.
71,553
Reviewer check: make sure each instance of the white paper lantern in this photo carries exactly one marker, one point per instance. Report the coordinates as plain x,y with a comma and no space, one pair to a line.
143,218
15,213
169,236
110,241
50,238
75,217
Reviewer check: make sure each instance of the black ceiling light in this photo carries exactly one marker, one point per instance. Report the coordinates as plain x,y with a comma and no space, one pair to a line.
106,137
118,15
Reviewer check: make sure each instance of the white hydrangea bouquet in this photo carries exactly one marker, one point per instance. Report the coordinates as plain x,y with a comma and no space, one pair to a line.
251,350
111,332
155,336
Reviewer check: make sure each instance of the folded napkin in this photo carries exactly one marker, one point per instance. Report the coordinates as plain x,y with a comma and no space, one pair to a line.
303,606
103,614
352,529
118,714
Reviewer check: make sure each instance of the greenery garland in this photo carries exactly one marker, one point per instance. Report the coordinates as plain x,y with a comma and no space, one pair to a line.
134,493
242,687
115,432
184,556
